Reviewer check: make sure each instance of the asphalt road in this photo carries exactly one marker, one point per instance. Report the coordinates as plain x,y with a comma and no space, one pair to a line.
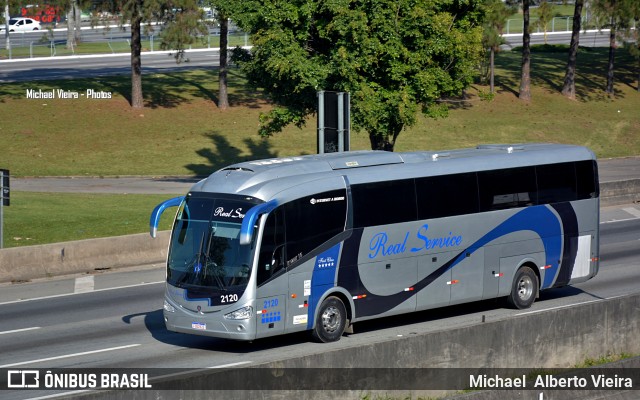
114,319
38,69
592,38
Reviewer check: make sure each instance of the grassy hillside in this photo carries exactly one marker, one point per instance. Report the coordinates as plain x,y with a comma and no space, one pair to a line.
181,131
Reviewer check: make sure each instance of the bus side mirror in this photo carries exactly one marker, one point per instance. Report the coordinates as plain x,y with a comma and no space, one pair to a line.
157,212
250,219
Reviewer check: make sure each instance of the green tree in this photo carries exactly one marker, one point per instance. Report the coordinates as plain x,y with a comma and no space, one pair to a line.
635,50
394,57
497,13
617,13
569,86
224,9
525,71
181,21
545,16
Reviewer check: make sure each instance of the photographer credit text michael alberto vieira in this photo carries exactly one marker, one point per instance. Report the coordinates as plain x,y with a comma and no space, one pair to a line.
594,381
67,94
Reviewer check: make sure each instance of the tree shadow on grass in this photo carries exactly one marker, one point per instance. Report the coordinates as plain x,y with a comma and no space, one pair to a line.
161,87
223,153
240,94
548,69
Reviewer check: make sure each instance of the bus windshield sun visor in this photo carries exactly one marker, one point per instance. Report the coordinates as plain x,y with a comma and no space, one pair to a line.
157,212
251,217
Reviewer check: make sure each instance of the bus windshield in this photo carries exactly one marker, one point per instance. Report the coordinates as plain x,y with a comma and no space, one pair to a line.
205,250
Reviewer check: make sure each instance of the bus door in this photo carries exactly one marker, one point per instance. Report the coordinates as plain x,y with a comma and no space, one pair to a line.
271,279
307,286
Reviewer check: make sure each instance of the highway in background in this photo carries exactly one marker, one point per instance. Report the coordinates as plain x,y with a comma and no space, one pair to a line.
592,38
111,320
47,68
42,69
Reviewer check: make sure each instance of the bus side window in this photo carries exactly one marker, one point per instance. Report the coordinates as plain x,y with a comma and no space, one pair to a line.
556,183
447,195
587,180
271,256
313,220
507,188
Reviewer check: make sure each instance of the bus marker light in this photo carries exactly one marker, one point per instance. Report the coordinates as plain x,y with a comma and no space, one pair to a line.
293,295
546,267
409,289
168,307
498,275
453,282
360,296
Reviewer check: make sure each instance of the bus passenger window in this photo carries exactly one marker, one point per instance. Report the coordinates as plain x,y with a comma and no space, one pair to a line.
587,180
447,195
313,220
383,203
556,183
507,188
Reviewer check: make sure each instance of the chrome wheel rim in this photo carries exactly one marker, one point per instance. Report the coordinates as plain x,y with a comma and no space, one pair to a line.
525,288
331,319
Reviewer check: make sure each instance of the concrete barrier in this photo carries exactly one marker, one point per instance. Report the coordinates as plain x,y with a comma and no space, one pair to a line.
620,192
31,262
25,263
557,338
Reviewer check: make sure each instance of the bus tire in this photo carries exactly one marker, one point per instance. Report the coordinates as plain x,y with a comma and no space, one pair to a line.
524,289
331,321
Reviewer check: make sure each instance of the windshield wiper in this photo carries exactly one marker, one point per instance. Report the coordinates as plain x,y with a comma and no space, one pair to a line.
212,263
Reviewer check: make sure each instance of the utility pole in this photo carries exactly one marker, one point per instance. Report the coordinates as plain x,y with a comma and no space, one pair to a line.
4,200
7,17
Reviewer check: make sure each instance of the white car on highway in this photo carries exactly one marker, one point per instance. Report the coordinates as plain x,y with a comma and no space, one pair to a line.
21,24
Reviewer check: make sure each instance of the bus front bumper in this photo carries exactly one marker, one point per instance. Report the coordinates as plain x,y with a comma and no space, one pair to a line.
213,325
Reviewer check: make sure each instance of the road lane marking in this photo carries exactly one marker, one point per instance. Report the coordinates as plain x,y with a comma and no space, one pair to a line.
235,364
19,330
618,220
84,284
568,305
71,294
84,353
633,211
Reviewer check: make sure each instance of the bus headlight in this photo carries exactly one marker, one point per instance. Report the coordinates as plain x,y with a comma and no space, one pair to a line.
168,307
243,313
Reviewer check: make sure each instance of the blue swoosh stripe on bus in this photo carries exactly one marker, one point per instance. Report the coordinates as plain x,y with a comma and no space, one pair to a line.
539,219
323,278
570,245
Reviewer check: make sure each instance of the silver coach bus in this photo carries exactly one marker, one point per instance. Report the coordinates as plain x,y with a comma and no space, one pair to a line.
319,242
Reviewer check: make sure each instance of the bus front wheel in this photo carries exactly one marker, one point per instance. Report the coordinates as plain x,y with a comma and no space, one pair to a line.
332,317
524,289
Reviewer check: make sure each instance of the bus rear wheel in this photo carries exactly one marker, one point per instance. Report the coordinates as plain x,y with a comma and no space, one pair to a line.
524,289
332,317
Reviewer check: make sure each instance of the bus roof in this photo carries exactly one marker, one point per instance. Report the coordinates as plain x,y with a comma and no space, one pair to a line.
293,177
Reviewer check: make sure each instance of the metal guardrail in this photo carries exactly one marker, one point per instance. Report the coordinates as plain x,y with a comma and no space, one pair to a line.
52,44
557,24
